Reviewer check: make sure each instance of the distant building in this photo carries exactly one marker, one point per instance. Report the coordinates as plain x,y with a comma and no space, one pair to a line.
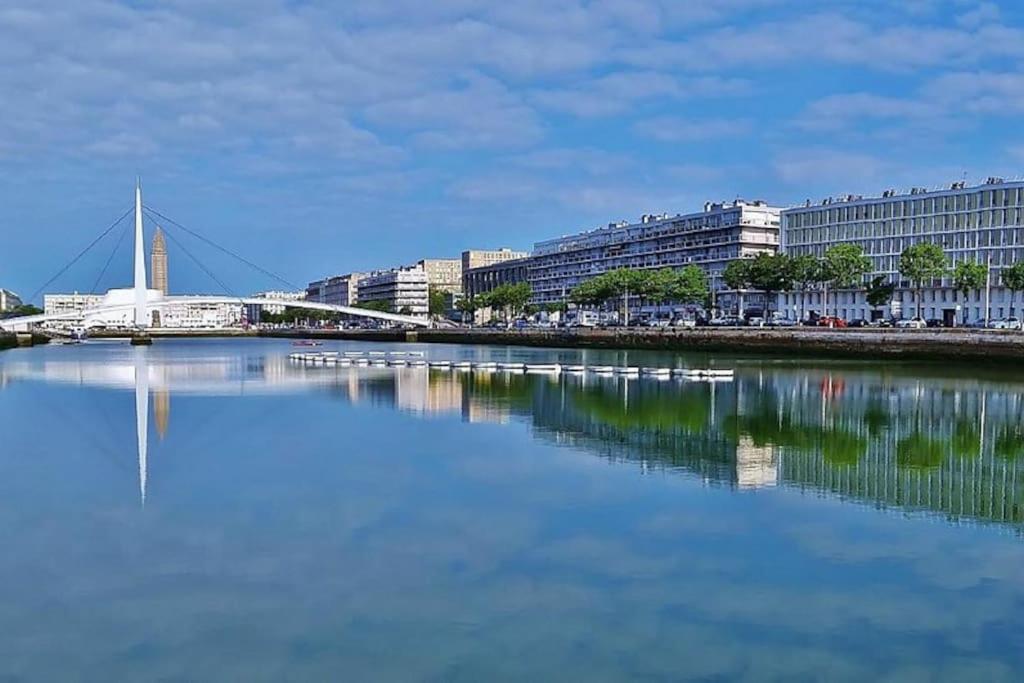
480,280
158,263
254,311
401,289
709,239
58,304
339,290
443,273
8,301
980,224
477,258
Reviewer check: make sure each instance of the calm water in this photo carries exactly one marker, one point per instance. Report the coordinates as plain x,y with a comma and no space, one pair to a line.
212,511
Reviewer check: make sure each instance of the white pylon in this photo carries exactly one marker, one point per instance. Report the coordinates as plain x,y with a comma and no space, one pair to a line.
141,316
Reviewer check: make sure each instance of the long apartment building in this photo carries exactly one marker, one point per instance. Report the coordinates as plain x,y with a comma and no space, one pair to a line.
710,239
982,224
339,290
404,290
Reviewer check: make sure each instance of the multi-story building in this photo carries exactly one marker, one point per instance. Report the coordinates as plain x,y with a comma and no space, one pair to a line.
58,304
254,311
480,280
982,224
710,239
339,290
477,258
443,273
8,301
404,290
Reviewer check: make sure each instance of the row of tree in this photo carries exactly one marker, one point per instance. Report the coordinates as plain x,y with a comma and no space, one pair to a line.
688,285
510,299
845,267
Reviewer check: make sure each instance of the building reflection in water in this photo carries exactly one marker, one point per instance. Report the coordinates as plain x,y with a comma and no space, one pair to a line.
910,442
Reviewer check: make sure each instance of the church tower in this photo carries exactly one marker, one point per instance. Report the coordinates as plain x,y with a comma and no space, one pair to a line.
158,262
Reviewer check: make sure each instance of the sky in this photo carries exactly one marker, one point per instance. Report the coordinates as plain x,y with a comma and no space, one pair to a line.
319,137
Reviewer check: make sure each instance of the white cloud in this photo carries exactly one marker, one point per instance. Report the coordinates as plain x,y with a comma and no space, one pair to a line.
676,129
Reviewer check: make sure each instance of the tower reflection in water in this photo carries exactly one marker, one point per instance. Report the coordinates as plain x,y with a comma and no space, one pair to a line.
938,445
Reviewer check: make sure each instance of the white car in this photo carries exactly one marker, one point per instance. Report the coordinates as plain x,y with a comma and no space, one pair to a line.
1005,324
911,323
685,322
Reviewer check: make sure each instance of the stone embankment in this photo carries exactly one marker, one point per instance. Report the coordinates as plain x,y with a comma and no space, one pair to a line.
941,344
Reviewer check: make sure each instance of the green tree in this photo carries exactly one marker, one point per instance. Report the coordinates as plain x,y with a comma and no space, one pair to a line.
845,266
737,278
22,310
379,305
922,263
438,301
1013,280
879,292
968,276
689,285
656,286
467,304
770,273
805,271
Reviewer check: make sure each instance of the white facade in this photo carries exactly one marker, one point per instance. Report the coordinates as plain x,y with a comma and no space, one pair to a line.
179,314
339,290
981,224
8,300
277,309
58,304
478,258
400,288
709,239
443,273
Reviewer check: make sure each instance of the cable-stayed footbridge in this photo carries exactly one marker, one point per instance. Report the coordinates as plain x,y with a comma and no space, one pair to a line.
139,303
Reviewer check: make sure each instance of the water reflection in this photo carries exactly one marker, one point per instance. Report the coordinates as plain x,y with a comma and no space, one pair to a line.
896,441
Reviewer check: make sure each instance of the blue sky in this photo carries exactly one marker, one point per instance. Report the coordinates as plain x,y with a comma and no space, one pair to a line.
321,137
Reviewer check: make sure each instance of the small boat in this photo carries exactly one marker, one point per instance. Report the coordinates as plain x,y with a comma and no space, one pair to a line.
707,372
656,372
378,363
397,363
352,354
362,362
627,370
378,353
417,364
396,353
306,342
485,365
418,354
574,368
440,364
511,367
602,369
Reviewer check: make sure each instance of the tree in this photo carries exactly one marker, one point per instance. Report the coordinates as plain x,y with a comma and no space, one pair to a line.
438,300
467,304
920,263
968,276
1013,280
380,306
737,278
689,285
656,286
845,266
771,274
879,292
805,271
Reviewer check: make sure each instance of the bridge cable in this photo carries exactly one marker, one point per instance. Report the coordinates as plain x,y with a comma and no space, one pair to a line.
199,263
120,239
227,251
80,255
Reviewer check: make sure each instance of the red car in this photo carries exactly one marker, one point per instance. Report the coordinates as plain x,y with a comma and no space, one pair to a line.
831,321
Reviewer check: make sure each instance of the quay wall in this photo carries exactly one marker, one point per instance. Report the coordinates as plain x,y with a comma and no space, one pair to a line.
960,345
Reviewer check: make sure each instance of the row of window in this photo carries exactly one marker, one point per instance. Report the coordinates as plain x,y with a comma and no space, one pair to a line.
905,207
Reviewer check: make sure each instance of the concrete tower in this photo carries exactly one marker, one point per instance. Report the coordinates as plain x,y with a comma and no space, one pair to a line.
158,263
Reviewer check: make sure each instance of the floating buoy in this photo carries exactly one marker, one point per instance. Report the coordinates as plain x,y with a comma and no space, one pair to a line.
543,367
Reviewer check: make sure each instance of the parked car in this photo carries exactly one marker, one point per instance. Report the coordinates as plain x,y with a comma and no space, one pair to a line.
935,322
1005,324
860,323
831,321
755,321
911,323
780,321
684,322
